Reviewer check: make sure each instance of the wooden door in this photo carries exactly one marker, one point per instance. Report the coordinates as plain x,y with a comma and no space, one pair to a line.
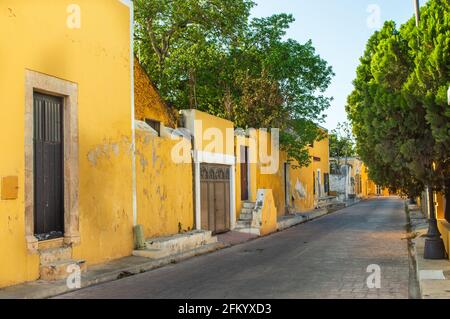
48,167
215,197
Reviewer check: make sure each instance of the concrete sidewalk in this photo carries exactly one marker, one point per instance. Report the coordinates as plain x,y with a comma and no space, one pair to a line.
289,221
433,275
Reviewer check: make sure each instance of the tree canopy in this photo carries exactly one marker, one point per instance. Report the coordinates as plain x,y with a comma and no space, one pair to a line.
342,143
397,108
209,55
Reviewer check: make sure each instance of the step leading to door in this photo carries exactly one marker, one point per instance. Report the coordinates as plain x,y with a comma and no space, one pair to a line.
162,247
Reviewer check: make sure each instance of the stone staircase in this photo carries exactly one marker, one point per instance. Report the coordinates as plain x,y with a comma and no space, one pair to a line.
162,247
248,222
57,263
331,203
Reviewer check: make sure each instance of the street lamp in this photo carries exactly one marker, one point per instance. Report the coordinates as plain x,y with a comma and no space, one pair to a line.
434,245
417,11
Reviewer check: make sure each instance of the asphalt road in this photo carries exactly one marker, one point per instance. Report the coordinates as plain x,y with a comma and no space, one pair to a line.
325,258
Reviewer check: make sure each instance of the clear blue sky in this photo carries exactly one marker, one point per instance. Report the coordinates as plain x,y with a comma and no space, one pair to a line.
339,31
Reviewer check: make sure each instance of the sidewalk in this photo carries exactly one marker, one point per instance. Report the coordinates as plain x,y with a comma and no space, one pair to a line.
288,221
433,275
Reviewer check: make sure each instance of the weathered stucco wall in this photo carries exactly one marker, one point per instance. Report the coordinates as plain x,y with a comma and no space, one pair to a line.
303,178
275,182
148,102
96,57
164,187
212,134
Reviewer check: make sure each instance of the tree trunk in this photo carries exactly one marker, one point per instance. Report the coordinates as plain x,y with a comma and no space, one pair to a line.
192,89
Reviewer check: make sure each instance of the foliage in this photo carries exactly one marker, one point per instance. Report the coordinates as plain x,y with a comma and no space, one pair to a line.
398,108
206,54
342,143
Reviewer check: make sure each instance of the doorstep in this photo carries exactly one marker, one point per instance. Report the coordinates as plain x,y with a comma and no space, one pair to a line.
110,271
433,275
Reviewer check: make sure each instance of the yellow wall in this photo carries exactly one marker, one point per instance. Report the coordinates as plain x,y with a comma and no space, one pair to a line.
275,182
148,102
97,58
305,175
202,124
268,213
164,187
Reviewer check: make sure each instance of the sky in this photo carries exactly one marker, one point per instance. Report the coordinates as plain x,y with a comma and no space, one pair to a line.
339,30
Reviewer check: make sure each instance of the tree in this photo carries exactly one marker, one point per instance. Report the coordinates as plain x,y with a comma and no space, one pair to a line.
392,136
163,26
342,142
430,48
395,108
207,55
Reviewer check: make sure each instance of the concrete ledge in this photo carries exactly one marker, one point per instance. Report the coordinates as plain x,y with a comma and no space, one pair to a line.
162,247
111,271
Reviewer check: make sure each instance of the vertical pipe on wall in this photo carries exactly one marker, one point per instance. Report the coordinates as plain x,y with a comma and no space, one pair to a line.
133,128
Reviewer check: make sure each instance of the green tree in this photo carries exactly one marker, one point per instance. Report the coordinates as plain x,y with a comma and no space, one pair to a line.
208,55
392,136
342,143
430,49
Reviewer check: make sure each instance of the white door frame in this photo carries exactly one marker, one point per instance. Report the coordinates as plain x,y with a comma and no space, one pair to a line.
214,158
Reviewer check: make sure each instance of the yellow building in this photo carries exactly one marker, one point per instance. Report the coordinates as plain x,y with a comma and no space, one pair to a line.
90,150
66,83
307,186
294,189
164,189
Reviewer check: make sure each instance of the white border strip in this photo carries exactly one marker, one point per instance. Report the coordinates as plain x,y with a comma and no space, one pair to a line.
214,158
129,4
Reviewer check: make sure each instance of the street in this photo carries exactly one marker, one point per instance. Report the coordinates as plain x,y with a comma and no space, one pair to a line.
325,258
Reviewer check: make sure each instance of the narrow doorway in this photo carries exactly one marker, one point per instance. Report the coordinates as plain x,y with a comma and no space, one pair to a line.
48,167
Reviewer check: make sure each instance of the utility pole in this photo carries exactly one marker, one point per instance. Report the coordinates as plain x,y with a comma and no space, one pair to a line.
417,11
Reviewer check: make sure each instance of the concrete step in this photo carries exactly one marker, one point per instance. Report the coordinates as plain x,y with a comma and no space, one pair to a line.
250,205
60,269
244,223
246,210
248,230
53,255
246,216
161,254
162,247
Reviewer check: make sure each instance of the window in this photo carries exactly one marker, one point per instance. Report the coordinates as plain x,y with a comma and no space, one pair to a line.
156,125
